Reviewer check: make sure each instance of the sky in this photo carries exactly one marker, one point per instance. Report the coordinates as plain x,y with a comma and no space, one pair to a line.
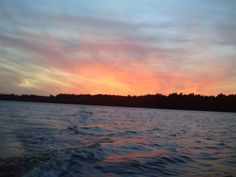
121,47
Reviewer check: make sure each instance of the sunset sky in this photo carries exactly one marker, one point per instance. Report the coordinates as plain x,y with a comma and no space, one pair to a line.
123,47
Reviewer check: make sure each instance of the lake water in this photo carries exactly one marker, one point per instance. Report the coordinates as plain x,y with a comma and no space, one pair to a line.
58,140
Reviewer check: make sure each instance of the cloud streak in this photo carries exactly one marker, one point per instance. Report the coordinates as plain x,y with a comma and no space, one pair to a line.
49,49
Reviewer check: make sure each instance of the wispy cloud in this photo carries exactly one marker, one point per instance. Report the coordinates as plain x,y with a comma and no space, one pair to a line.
52,47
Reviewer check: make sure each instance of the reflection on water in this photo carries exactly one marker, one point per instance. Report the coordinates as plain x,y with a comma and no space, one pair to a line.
114,158
10,146
53,140
122,141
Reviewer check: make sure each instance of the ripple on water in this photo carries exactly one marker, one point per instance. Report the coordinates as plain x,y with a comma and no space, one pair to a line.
72,140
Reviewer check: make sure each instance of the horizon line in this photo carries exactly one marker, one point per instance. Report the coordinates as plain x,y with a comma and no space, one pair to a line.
104,94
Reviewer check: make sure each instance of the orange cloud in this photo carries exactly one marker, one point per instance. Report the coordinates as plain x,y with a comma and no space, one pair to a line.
110,66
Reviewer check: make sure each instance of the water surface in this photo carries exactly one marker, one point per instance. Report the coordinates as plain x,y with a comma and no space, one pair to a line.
59,140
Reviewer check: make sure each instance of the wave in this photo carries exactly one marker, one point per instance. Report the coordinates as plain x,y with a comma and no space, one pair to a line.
123,133
93,160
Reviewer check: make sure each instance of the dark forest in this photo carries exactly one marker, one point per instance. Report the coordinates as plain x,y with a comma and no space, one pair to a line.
221,102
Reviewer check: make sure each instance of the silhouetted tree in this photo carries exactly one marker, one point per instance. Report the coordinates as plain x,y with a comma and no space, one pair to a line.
191,101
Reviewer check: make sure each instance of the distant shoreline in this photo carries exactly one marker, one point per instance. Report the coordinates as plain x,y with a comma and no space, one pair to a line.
221,103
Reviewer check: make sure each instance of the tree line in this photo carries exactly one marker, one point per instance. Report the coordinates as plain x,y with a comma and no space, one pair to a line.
221,102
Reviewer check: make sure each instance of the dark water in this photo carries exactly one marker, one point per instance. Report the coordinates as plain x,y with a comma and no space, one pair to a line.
57,140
